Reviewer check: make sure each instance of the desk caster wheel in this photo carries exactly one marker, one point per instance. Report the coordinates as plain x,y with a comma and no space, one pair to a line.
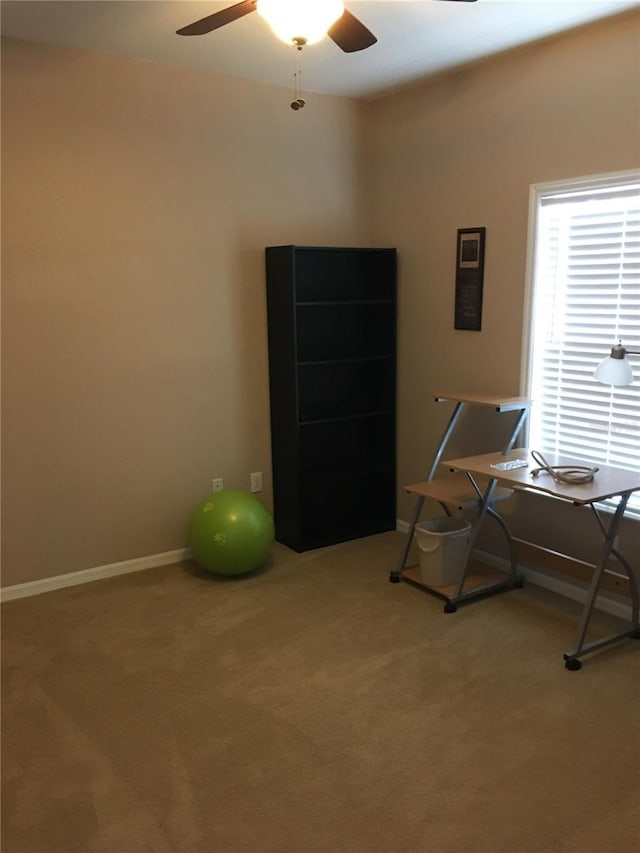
635,635
573,665
450,607
518,584
394,578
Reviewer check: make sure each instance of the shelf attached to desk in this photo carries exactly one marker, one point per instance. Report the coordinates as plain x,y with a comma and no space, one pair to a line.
457,491
492,401
480,581
454,490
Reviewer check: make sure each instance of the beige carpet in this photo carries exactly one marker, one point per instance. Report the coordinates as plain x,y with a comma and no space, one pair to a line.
312,707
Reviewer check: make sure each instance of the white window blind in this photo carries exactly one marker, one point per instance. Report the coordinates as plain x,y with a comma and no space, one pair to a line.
586,298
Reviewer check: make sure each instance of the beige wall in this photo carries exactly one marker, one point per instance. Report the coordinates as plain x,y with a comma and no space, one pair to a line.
137,202
462,151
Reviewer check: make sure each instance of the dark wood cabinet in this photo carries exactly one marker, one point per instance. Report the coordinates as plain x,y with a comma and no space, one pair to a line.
332,373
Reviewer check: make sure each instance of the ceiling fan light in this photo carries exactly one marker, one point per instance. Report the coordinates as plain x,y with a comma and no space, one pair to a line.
306,21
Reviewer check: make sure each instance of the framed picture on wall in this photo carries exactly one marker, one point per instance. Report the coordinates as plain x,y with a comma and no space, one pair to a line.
469,278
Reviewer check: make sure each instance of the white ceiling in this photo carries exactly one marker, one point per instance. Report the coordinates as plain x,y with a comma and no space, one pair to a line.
416,38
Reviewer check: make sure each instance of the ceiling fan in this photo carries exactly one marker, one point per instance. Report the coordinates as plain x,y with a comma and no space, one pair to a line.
296,22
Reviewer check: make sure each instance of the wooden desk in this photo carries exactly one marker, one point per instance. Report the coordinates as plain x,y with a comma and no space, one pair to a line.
608,482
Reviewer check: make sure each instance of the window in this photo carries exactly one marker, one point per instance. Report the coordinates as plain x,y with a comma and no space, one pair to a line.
585,298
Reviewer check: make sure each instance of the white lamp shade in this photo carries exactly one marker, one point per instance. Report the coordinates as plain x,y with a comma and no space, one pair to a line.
614,371
304,20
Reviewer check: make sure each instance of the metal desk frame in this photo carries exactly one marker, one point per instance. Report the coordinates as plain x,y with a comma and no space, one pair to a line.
608,483
432,487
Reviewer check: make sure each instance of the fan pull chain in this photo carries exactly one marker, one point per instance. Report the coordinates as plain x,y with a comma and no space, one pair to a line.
298,102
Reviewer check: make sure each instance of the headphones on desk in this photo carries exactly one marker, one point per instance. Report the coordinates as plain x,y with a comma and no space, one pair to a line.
571,475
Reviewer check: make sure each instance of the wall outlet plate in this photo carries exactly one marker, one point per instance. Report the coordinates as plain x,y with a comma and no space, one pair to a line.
217,484
256,482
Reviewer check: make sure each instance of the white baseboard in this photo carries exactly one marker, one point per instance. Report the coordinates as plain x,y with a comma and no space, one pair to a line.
541,579
546,581
22,590
559,586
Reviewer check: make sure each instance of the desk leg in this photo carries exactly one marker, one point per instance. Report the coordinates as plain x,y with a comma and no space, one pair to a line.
396,576
509,538
582,648
459,596
477,524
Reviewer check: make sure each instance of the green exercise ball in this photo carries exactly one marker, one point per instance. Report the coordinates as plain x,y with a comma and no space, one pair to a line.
231,533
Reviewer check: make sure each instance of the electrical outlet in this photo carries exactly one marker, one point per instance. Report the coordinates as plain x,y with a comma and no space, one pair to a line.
217,484
256,482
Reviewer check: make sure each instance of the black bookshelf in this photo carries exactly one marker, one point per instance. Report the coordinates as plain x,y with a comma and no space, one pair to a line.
332,373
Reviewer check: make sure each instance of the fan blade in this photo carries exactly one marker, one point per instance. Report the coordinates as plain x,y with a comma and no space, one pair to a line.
350,35
218,19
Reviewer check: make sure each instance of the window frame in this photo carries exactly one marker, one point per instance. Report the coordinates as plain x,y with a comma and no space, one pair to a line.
536,193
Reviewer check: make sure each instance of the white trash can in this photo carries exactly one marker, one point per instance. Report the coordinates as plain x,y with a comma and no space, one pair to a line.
442,544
